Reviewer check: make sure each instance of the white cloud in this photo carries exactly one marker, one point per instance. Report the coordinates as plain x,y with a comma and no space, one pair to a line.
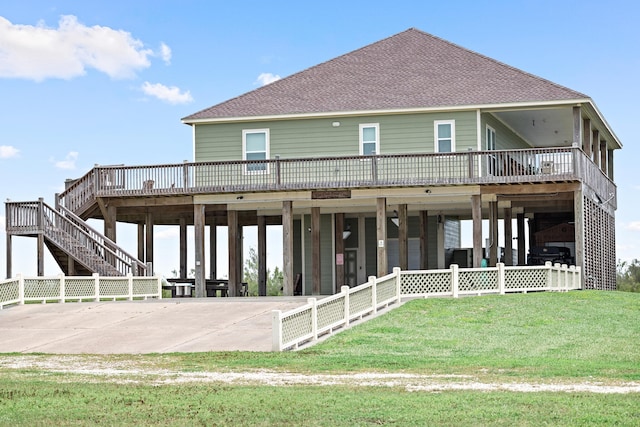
69,161
172,94
634,226
167,233
165,53
7,151
39,52
266,78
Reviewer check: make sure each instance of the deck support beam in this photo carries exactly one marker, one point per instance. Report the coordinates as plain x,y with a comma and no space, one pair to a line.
476,214
579,230
262,256
234,250
522,256
493,233
595,147
141,241
110,222
213,250
586,137
403,237
577,126
508,237
149,241
424,240
287,247
198,233
339,255
381,235
9,256
183,247
316,262
440,237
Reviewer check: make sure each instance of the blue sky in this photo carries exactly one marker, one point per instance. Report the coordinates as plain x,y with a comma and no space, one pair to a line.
107,82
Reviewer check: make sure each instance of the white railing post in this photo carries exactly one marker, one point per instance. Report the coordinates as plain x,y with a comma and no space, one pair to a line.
345,292
159,287
96,285
373,283
314,317
63,291
130,283
455,280
565,271
21,288
397,271
572,270
276,330
501,277
549,266
578,277
558,274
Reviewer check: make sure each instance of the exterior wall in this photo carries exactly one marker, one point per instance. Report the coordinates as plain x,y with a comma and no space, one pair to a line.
401,133
506,139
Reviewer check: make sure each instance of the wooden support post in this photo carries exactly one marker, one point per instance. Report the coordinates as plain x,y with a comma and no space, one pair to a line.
579,229
424,240
440,251
287,247
183,247
316,261
149,242
603,156
40,254
232,225
586,137
262,255
198,233
522,254
610,164
493,233
476,214
403,237
9,257
71,266
381,235
508,237
213,249
339,255
595,146
110,222
141,242
577,126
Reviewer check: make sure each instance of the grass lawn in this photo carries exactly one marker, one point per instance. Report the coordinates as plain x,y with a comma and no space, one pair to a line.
542,338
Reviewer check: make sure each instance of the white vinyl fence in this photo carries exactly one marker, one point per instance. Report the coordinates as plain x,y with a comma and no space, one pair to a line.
20,290
305,324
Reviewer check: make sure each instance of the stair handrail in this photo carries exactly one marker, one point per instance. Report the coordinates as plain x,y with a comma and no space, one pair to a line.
102,241
78,192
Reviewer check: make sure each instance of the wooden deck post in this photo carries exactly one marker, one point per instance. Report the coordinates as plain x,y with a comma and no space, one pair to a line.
40,256
339,255
577,126
141,242
9,256
381,235
287,247
149,242
110,222
586,137
476,214
262,256
403,237
213,249
522,255
603,156
508,237
316,261
440,255
595,147
183,247
234,279
579,229
424,240
493,233
198,232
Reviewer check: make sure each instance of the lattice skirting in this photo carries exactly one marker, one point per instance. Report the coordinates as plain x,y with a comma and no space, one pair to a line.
599,247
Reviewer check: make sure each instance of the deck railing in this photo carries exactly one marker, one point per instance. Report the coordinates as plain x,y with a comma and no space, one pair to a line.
472,167
303,325
20,290
70,233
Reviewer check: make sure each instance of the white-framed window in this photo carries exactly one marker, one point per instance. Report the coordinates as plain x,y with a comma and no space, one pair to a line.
369,139
255,146
491,138
445,136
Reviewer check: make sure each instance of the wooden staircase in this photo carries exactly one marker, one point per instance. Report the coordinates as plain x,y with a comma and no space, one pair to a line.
69,238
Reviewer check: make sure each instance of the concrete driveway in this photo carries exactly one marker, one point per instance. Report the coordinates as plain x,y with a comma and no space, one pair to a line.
152,326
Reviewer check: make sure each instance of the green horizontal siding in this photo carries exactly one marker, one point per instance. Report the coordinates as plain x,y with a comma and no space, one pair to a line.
506,139
401,133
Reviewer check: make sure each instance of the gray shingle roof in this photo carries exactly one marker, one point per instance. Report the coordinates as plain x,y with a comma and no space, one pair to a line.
409,70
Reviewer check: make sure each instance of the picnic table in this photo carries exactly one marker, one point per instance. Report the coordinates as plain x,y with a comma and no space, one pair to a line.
182,287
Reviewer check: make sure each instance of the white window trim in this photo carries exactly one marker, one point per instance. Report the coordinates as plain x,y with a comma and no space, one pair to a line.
246,132
495,138
436,137
361,136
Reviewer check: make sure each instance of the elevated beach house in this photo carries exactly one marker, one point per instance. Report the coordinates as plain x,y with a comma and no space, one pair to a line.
368,161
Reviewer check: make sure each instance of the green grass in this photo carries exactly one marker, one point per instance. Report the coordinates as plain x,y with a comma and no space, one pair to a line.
565,338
